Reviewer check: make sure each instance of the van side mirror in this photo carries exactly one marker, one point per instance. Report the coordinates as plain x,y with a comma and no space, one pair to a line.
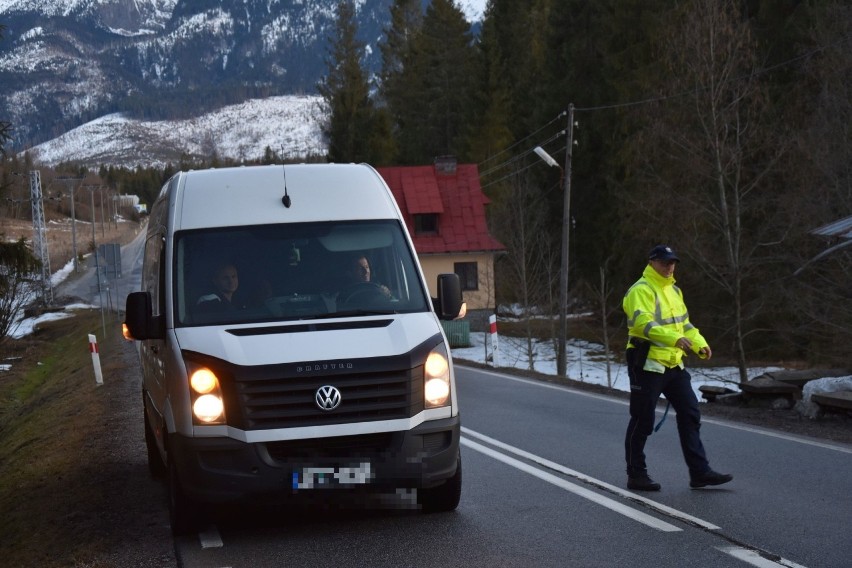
449,303
138,318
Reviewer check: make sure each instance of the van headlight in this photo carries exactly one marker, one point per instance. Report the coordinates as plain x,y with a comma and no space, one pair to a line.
208,407
436,379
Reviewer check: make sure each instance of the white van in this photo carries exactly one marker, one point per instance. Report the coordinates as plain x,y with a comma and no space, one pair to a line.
273,367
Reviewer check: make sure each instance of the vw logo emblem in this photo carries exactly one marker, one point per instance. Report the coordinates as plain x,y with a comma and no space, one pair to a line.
327,398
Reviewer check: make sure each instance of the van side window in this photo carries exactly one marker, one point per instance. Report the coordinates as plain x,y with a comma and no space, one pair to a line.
154,276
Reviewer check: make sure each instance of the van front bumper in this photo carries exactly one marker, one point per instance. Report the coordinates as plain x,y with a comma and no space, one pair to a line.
223,470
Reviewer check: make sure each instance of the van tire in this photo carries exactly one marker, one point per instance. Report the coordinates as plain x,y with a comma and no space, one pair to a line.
183,511
156,467
444,497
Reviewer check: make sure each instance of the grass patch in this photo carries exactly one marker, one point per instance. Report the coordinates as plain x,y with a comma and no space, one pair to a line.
48,404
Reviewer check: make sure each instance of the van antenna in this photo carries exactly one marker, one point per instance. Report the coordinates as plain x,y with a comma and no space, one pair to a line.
286,199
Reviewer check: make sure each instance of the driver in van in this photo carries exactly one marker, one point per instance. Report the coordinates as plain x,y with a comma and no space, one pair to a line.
359,272
225,283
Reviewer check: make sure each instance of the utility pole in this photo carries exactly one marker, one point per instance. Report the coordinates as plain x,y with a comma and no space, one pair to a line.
561,355
95,253
561,348
40,236
101,193
73,218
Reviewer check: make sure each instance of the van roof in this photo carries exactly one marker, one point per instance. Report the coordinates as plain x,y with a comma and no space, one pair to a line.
252,195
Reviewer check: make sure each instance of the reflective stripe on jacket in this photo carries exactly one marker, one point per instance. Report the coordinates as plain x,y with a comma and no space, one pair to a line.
656,312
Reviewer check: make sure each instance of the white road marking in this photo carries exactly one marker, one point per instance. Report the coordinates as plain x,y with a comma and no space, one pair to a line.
837,447
210,538
611,504
755,559
666,510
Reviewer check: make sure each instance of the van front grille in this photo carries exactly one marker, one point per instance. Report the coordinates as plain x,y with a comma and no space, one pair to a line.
282,402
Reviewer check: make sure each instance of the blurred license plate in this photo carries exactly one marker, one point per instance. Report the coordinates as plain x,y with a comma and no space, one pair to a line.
330,477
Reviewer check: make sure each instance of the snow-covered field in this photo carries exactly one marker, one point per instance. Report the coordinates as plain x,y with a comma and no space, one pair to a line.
586,362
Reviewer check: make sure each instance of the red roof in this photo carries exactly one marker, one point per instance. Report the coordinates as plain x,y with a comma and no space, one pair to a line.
457,199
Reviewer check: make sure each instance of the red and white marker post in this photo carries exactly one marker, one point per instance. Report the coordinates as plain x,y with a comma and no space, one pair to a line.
492,324
96,359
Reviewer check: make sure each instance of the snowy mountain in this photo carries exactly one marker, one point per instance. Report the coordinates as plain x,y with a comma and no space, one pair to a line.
288,125
63,62
67,63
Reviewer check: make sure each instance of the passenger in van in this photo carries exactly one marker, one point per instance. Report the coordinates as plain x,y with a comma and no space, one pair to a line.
359,280
225,282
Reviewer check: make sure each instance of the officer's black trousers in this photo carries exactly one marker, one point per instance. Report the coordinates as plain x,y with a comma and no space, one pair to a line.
645,390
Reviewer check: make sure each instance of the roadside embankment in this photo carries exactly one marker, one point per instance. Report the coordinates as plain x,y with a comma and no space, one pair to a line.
74,483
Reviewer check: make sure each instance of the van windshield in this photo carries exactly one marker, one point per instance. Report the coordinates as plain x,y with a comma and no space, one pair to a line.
294,272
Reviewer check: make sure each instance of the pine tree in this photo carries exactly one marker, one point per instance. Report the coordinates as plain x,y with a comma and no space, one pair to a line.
346,92
491,129
5,127
427,85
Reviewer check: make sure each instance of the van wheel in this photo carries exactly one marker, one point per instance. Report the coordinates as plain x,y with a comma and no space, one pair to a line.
183,512
445,497
156,467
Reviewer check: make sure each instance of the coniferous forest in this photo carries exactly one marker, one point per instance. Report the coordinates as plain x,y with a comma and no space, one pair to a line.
720,127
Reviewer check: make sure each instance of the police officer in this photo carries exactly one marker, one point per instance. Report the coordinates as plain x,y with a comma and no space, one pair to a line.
660,334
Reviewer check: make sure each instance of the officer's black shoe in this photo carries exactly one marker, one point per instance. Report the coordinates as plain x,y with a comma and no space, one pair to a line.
709,478
642,482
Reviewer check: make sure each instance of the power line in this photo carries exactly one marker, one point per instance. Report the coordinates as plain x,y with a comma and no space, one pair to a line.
486,160
639,102
521,170
519,156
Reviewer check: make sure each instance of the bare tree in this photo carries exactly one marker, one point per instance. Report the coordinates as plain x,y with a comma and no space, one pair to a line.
602,293
711,154
821,293
530,260
19,283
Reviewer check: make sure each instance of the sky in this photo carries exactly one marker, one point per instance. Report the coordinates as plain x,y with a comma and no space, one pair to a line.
473,9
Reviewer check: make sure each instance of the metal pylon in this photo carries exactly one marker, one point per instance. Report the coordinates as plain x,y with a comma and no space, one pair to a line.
40,236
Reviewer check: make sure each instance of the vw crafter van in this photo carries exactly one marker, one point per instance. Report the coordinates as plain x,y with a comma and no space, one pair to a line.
274,368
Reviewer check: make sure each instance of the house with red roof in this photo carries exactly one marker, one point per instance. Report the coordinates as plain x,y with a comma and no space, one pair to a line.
444,208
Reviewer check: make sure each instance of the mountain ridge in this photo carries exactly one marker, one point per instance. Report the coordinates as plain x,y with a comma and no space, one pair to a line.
288,125
62,64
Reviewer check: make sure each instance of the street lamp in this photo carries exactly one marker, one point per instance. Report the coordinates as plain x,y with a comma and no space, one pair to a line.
561,357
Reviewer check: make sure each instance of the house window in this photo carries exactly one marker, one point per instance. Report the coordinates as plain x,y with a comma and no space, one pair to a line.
468,275
426,224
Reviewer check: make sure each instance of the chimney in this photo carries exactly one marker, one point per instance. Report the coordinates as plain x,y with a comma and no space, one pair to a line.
446,165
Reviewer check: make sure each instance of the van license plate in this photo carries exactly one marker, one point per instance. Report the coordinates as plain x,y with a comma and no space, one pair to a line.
330,477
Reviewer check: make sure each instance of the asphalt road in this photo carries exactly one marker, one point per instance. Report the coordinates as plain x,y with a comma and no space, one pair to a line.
544,486
109,292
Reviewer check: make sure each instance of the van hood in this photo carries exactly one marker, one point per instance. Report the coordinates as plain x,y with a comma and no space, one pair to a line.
316,340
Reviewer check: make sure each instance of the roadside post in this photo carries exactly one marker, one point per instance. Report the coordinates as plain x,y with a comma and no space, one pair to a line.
96,359
492,324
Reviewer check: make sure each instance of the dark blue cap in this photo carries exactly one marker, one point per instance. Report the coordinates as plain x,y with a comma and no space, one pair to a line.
662,252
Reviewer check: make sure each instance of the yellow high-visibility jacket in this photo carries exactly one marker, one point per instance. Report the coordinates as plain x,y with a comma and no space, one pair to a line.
656,312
